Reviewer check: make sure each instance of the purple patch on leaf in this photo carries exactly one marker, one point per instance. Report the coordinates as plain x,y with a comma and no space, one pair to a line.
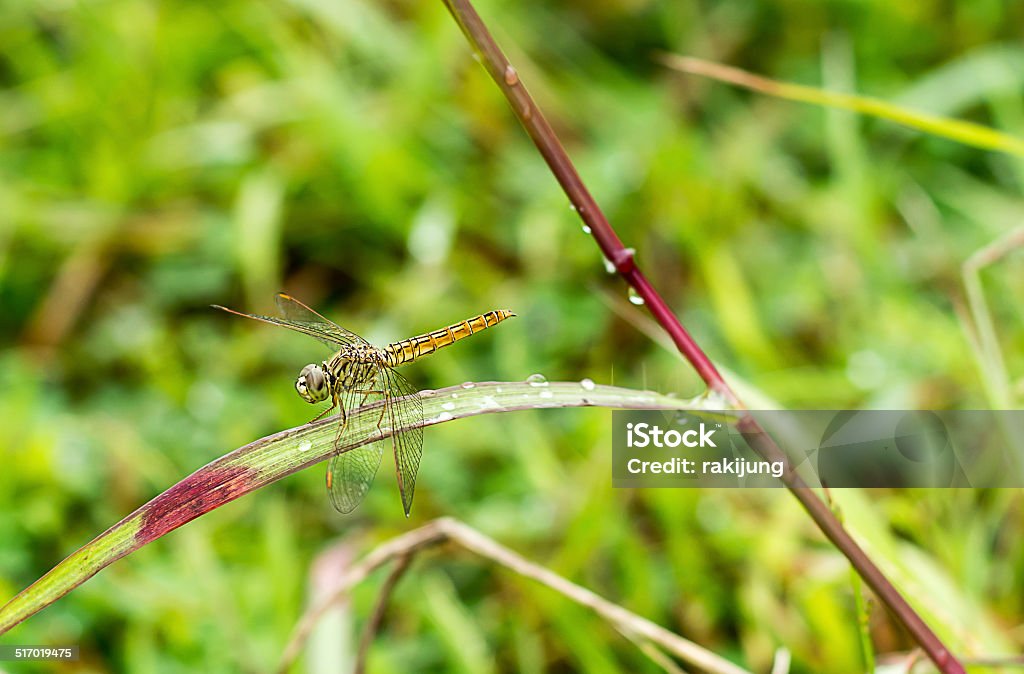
196,495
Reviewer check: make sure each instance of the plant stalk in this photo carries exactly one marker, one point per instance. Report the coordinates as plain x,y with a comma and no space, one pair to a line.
623,259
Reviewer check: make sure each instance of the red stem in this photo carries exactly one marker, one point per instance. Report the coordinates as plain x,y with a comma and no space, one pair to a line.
623,259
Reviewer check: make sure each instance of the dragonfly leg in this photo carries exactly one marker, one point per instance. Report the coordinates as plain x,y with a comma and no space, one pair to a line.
334,403
367,392
342,412
341,429
337,435
383,408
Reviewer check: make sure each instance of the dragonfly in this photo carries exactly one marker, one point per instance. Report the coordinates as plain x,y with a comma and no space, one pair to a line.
359,372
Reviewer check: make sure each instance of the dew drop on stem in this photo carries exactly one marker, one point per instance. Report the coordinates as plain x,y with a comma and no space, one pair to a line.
537,380
634,297
489,403
713,400
511,76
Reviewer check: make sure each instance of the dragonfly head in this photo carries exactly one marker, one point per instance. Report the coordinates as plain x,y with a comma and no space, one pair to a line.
312,384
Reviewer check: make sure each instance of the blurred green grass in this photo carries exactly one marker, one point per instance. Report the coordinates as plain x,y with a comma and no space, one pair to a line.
157,158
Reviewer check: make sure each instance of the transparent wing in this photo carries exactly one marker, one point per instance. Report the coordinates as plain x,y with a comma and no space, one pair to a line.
297,316
350,474
404,411
298,313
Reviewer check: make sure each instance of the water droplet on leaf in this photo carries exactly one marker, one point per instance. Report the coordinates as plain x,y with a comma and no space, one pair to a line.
489,403
537,380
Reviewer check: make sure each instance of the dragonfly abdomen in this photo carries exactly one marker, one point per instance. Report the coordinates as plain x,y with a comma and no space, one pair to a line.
410,349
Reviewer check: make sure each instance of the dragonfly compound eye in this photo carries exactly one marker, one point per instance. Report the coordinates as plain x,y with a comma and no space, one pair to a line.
312,384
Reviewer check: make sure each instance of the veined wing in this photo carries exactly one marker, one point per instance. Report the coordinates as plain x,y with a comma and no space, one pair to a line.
350,474
405,415
297,316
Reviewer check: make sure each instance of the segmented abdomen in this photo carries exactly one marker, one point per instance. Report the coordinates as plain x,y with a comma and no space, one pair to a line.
410,349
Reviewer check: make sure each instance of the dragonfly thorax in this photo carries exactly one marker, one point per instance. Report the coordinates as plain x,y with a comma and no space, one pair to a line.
314,383
353,367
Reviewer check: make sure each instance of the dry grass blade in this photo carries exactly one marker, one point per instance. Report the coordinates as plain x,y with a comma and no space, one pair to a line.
377,618
451,530
981,329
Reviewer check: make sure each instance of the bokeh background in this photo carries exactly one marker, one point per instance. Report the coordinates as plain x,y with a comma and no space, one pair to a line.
158,157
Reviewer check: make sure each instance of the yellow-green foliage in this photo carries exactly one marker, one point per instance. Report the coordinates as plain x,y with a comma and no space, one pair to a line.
159,157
